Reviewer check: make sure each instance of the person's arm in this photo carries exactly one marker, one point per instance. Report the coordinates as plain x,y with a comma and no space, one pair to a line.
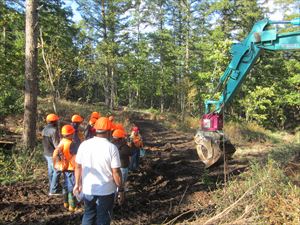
130,141
116,172
87,131
55,138
78,182
54,158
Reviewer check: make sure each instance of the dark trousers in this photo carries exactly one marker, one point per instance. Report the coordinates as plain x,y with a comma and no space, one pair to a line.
135,160
97,209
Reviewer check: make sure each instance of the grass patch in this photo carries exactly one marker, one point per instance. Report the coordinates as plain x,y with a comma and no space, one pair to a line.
262,195
173,120
244,133
67,108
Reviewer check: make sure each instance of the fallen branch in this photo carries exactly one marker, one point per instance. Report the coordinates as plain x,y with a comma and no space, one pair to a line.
174,219
294,164
183,195
231,207
242,219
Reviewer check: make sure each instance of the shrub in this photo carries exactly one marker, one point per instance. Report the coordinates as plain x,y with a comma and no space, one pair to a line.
20,165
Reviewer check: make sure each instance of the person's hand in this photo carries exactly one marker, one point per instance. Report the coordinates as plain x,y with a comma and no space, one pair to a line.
121,198
77,189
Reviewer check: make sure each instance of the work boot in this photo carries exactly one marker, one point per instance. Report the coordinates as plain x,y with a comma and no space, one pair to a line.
66,205
66,198
72,209
72,202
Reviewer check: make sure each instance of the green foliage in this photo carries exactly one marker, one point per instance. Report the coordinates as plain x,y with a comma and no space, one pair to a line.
11,100
257,104
165,55
12,60
292,97
58,54
20,165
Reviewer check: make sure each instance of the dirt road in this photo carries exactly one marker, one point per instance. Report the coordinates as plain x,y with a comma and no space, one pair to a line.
171,186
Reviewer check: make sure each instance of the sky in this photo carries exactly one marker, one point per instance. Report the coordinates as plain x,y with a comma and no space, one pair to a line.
76,14
277,15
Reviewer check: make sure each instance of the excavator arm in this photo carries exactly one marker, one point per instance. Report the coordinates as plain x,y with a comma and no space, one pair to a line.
210,139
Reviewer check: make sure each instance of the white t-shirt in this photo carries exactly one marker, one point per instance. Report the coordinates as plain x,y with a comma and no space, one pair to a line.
97,157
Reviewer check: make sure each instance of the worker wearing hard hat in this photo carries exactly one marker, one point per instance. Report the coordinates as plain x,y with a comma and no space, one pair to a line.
64,161
118,138
78,136
50,135
98,175
136,143
89,131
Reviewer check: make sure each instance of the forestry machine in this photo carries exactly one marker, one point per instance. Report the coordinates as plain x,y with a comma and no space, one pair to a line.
210,140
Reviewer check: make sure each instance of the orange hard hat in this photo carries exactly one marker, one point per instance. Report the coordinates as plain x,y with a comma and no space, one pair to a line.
52,118
103,124
111,118
119,133
113,126
67,130
76,119
92,121
118,126
95,115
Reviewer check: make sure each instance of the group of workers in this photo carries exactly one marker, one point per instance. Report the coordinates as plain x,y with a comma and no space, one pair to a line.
94,163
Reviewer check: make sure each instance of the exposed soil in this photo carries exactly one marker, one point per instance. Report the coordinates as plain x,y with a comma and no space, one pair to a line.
171,186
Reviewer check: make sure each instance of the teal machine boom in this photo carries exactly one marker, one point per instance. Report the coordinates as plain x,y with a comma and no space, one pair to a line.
210,138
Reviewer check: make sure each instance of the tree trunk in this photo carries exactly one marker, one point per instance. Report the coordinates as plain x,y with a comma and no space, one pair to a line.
129,98
112,89
162,104
31,77
107,93
106,89
4,40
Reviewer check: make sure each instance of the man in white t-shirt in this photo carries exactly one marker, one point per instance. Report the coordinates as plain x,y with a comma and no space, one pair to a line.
98,175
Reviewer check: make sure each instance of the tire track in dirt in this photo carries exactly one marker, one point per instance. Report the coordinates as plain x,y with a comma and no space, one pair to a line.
168,180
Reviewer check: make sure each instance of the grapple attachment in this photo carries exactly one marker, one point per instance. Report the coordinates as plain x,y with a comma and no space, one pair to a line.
210,147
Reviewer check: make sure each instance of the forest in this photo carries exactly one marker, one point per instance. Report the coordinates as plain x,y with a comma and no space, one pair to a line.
152,64
165,55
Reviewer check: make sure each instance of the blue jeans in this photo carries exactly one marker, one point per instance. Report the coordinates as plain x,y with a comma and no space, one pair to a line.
53,175
124,172
135,159
69,182
97,209
69,178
